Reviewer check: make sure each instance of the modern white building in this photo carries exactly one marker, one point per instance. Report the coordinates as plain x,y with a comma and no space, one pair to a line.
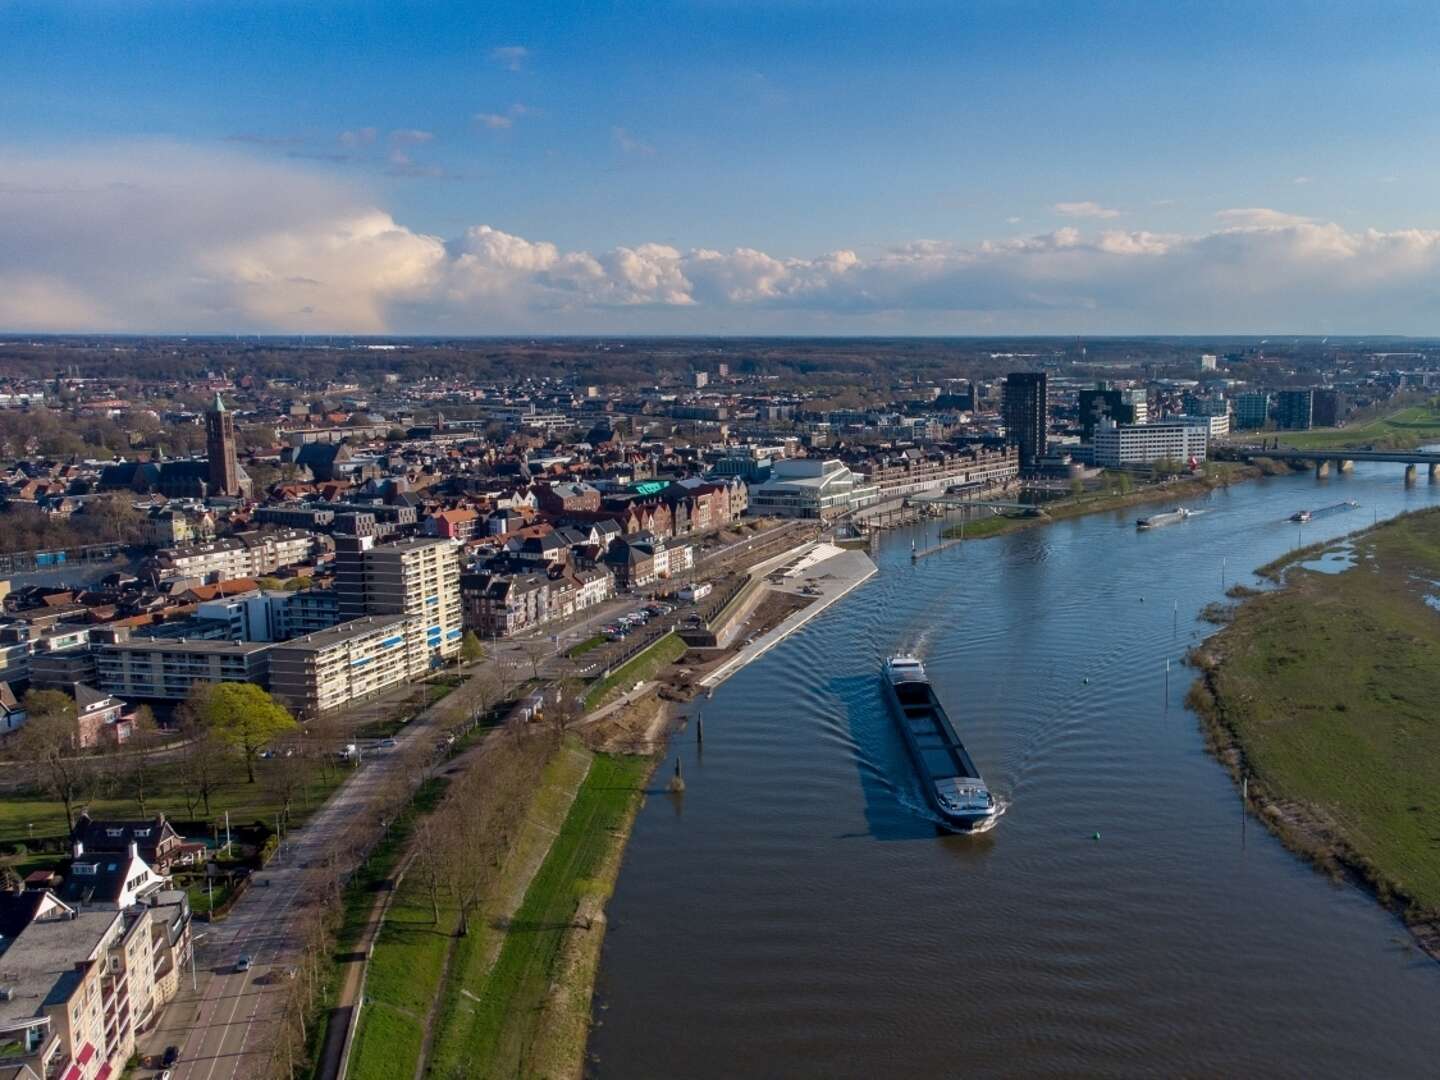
821,488
1121,445
1215,426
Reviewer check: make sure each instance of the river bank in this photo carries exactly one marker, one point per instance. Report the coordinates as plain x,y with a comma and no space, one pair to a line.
1320,697
1222,474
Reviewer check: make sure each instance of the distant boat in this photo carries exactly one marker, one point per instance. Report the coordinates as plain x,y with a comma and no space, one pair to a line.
1170,517
1302,516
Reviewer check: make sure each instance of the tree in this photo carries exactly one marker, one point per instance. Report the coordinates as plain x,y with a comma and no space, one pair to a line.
470,648
245,718
139,767
203,763
49,738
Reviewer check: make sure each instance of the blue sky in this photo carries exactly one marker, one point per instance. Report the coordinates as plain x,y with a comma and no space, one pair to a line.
795,129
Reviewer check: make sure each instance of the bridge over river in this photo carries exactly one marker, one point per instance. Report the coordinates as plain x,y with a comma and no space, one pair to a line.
1344,459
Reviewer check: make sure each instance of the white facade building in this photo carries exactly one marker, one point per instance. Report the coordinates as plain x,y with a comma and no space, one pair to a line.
811,488
1121,445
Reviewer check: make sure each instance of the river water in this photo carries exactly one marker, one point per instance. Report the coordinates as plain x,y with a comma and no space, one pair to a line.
794,912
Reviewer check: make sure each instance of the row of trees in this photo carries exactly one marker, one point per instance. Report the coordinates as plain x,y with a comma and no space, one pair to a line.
223,729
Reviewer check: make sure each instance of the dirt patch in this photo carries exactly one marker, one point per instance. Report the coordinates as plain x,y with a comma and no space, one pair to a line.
638,728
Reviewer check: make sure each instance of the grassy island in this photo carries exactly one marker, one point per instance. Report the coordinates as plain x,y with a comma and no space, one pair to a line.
1326,693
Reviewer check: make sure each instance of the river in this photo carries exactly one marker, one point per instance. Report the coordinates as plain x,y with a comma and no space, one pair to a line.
794,913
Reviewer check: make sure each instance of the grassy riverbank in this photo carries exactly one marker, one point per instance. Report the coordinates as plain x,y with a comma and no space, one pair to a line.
1217,474
1404,429
528,1012
1324,692
664,652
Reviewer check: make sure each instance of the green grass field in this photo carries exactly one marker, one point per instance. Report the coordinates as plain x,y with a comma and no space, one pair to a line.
407,965
665,651
1403,429
590,643
1331,687
503,1028
246,802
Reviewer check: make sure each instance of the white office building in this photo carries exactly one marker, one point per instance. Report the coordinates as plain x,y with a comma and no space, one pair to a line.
1121,445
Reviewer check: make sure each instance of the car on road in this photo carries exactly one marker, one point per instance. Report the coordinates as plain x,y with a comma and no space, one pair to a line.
243,964
389,744
171,1055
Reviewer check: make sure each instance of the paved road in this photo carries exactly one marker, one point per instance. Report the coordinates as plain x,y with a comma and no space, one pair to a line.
224,1027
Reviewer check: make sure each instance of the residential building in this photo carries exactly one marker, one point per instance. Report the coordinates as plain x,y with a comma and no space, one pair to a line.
1295,410
411,577
817,488
349,662
167,669
274,614
244,555
99,719
916,471
155,839
1026,414
1128,445
80,981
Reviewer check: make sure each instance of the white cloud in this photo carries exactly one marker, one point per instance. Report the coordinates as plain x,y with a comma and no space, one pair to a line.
1085,209
510,57
153,236
627,143
1301,180
1259,216
502,121
411,137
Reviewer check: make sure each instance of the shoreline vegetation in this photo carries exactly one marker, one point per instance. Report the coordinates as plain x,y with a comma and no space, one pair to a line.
1321,693
1117,495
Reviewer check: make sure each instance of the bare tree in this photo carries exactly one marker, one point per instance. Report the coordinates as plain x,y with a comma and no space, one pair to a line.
139,766
49,738
203,765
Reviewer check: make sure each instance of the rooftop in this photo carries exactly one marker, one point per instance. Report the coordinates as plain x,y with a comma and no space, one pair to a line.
335,635
39,968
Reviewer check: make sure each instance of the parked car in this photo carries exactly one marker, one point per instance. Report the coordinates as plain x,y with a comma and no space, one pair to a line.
171,1055
389,744
243,964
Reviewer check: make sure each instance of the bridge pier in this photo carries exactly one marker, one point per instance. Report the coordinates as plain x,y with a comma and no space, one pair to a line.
1434,473
1346,465
1409,475
1322,468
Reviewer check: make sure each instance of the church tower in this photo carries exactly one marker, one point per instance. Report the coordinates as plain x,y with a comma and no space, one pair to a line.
220,448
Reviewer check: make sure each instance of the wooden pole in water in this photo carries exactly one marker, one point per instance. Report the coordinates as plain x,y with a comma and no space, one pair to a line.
1222,573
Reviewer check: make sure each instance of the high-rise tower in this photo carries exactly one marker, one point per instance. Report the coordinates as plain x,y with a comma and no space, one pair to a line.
220,449
1026,413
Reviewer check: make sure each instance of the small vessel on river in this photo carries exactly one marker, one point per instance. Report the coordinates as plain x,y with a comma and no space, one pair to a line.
1302,516
1170,517
952,783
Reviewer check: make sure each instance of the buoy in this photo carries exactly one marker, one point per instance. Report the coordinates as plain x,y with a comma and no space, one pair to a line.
1086,680
1096,836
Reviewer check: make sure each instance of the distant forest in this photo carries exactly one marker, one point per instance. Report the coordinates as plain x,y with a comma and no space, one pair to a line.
632,362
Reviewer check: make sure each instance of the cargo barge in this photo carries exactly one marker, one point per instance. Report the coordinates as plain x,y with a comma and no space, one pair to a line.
1154,521
952,784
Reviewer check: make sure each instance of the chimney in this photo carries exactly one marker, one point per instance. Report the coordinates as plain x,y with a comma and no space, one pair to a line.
79,848
134,850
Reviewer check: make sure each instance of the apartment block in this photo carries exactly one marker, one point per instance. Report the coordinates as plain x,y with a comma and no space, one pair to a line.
411,577
354,660
162,668
1119,445
78,984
